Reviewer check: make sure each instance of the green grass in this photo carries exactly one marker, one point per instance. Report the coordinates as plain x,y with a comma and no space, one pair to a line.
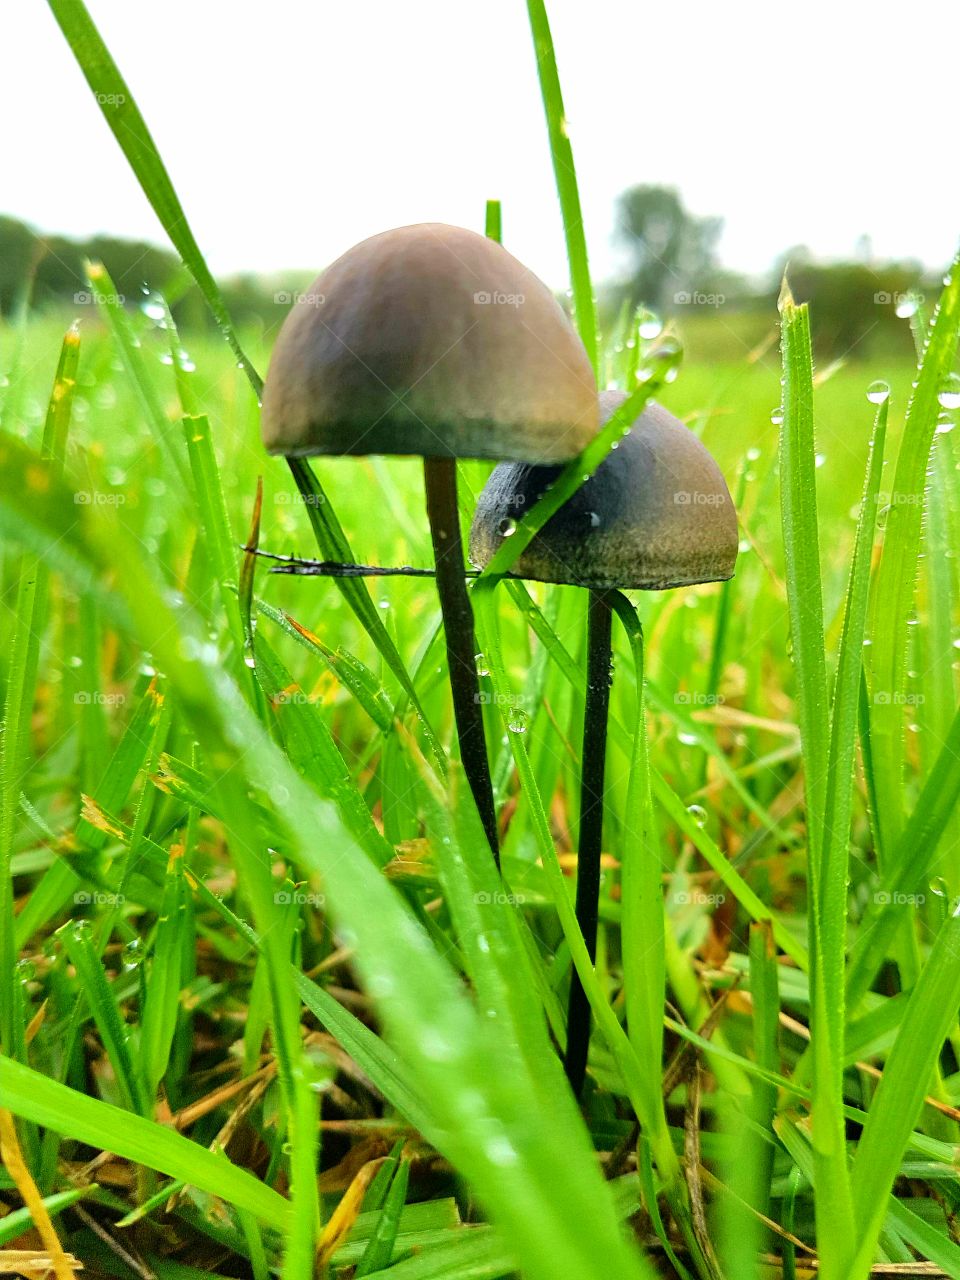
244,883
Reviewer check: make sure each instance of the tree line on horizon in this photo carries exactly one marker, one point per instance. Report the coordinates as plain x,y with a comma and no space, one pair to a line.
669,257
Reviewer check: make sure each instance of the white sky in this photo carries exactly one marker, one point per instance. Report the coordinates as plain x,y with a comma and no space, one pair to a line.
294,128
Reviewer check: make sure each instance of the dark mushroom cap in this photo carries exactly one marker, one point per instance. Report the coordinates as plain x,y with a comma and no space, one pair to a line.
429,340
656,513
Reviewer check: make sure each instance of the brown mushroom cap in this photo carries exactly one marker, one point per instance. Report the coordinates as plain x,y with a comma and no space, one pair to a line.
429,340
655,514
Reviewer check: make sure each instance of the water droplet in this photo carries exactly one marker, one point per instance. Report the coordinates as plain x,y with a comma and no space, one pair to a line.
744,545
944,425
687,738
26,970
819,459
594,519
907,306
518,721
878,391
649,325
507,527
776,417
698,814
133,954
949,393
153,308
939,887
481,661
250,661
753,453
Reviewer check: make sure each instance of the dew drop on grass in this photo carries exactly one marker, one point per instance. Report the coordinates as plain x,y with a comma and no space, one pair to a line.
687,738
906,307
949,393
939,887
698,814
945,425
776,417
819,459
507,527
26,970
133,954
518,721
753,453
649,326
481,661
878,391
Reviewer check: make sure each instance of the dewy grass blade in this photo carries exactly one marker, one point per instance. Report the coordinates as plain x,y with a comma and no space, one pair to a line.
931,1014
895,584
31,606
497,1141
46,1102
585,308
798,499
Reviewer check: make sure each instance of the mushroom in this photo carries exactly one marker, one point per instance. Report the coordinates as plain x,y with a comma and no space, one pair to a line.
655,514
434,341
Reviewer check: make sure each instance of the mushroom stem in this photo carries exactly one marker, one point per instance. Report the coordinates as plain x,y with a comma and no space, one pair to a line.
440,479
589,845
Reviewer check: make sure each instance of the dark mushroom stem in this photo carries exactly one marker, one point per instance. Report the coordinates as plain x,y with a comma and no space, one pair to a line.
599,659
440,479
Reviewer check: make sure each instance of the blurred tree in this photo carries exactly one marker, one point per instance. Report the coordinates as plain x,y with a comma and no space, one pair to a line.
855,307
672,251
